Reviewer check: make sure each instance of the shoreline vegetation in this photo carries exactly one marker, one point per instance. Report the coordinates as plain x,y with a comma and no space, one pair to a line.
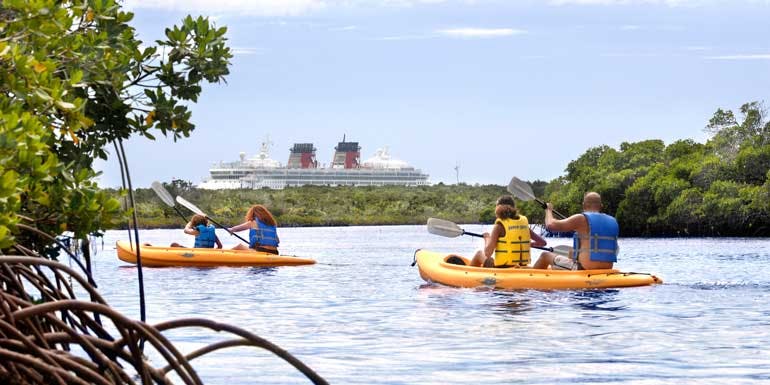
686,188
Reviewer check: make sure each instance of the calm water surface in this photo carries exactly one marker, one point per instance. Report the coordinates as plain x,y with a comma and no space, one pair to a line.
362,315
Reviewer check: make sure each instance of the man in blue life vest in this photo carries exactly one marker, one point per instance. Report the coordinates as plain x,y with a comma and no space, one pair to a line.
595,241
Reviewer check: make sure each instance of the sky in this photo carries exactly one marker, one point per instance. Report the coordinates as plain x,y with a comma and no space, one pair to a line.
498,88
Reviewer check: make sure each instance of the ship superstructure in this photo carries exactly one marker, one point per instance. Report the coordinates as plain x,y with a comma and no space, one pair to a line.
345,169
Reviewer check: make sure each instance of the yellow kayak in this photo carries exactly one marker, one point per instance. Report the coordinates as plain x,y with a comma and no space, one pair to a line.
158,256
434,267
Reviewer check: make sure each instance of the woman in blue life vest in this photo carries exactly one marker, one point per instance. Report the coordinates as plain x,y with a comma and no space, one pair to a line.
263,233
205,234
595,241
509,242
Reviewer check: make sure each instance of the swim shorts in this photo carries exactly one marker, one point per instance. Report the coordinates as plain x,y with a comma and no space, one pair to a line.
561,262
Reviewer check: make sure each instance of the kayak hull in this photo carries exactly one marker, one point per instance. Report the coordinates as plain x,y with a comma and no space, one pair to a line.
157,256
434,268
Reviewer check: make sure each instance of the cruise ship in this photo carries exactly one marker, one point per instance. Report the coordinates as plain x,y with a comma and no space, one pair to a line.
302,168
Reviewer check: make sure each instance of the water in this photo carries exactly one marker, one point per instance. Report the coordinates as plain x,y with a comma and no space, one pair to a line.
362,315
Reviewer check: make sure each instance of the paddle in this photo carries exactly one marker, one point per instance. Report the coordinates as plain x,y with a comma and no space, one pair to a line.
523,191
198,211
165,196
451,230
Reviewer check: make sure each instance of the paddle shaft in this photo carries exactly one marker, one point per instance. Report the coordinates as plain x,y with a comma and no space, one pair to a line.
226,229
558,214
532,246
180,213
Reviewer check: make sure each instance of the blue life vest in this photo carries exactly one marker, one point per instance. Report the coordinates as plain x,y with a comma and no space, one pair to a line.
602,238
265,235
206,238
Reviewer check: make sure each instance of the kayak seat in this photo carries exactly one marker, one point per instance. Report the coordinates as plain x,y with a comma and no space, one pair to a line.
455,260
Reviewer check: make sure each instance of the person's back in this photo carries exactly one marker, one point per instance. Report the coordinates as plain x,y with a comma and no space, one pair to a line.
205,234
513,245
263,232
510,239
595,242
206,237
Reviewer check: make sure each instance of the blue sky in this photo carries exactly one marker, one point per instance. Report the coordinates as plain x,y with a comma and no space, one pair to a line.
501,88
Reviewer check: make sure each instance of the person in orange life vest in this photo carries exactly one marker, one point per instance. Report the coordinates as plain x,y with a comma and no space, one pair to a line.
205,234
263,235
595,241
510,239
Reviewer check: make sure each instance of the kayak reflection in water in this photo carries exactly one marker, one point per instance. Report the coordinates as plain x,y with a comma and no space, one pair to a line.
263,233
205,233
510,239
595,238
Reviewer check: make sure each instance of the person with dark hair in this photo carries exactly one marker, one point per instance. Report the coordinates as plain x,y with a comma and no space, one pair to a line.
510,239
263,233
205,234
595,239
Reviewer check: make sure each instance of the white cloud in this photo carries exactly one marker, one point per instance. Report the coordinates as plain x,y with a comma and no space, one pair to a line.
480,32
245,7
741,57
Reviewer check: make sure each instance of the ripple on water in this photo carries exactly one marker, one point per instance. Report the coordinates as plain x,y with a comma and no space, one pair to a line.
362,315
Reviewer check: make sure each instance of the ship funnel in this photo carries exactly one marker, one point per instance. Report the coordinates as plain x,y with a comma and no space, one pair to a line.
347,155
302,155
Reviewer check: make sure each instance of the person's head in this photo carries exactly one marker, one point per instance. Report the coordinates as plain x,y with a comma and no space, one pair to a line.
506,208
198,219
592,201
260,212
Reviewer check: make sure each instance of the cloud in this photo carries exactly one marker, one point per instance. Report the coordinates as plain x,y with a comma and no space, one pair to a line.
480,32
241,7
741,57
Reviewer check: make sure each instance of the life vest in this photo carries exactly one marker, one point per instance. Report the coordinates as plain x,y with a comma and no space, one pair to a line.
265,235
513,248
602,238
206,237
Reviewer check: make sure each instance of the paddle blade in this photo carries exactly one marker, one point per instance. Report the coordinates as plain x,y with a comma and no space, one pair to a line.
562,250
163,194
444,228
521,189
189,205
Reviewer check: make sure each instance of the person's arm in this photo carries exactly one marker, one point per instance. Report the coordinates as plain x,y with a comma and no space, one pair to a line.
218,242
241,227
188,229
536,239
561,225
490,240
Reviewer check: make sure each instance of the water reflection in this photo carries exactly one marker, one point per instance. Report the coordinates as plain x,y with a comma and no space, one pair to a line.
597,299
513,303
262,271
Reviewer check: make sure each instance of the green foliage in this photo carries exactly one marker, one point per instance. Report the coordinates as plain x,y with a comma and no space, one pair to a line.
335,206
685,188
74,78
